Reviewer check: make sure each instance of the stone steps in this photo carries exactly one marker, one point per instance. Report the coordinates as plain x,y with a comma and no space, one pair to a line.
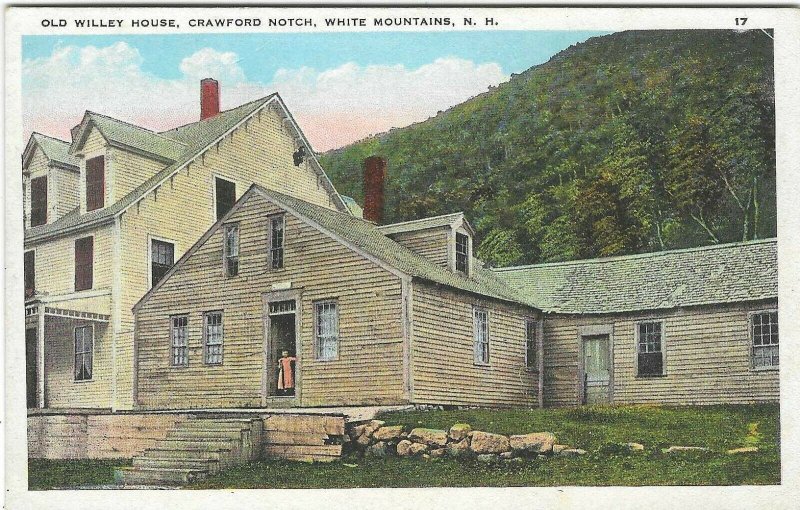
134,475
211,465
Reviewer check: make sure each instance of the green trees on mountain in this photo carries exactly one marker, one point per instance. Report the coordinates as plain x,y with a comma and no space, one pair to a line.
632,142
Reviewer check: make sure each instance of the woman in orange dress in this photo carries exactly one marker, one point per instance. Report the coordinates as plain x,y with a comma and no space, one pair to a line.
286,374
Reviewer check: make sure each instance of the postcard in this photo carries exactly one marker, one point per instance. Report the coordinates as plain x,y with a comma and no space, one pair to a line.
401,256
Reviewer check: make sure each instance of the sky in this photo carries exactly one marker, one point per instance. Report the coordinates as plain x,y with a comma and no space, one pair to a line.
341,87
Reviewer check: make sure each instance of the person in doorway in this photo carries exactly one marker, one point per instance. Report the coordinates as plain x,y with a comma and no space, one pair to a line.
286,365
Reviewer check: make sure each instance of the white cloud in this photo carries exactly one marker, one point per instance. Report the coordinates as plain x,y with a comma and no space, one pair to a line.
334,106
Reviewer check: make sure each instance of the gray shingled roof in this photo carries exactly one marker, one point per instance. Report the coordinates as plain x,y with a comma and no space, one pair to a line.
56,150
434,221
137,137
370,239
715,274
192,138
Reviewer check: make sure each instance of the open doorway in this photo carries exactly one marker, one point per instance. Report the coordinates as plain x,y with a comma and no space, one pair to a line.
281,344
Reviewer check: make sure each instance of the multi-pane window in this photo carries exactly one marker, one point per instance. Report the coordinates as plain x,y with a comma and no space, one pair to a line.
530,343
38,201
225,195
162,256
650,352
84,263
326,330
764,327
84,345
29,263
231,250
276,233
179,340
95,183
213,337
462,252
481,335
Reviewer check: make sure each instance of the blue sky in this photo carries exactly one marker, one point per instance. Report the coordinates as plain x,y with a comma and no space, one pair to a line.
390,78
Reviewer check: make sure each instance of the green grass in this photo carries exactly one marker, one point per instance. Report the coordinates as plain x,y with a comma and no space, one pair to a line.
590,428
46,474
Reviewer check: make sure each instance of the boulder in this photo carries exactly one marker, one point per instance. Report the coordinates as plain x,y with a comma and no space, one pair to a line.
357,431
417,448
558,448
390,433
572,452
379,449
404,448
507,455
438,452
488,458
364,439
537,442
458,449
746,449
683,449
459,431
372,426
430,437
635,447
485,442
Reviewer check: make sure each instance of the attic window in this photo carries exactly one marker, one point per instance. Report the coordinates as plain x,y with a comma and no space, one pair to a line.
462,253
95,183
38,201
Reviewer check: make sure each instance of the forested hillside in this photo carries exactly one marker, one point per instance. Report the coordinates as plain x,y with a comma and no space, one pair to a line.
627,143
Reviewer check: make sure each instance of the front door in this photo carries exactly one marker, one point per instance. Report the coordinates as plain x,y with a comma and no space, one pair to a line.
282,365
30,366
596,369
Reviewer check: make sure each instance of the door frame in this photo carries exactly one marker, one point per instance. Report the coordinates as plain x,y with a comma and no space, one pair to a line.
266,299
589,331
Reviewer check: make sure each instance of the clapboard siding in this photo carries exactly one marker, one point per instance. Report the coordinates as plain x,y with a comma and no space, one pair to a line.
66,195
442,360
126,170
430,243
707,358
369,368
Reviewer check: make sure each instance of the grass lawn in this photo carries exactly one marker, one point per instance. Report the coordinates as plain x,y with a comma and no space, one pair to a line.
590,428
46,474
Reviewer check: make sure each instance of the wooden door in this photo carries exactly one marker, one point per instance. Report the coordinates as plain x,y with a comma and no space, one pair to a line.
30,367
596,369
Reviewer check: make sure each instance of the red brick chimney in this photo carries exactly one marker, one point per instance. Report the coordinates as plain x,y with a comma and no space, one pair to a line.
209,98
374,180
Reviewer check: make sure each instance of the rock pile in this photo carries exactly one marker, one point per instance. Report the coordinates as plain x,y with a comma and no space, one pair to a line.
376,439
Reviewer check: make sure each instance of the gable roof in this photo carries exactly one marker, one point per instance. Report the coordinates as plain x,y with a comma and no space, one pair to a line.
197,137
445,220
57,151
367,239
717,274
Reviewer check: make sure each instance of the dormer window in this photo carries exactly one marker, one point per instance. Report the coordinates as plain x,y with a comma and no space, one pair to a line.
38,201
462,253
95,183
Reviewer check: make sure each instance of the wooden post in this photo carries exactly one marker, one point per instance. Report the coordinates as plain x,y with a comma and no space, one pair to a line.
40,358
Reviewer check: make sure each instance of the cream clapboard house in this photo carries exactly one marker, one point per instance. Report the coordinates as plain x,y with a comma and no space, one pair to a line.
107,213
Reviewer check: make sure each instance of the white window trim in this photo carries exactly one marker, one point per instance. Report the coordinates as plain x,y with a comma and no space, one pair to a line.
271,217
175,257
750,339
214,177
171,329
663,348
94,250
225,227
475,310
74,354
205,338
317,356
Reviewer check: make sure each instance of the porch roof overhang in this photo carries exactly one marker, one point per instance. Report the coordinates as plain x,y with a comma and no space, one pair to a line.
35,309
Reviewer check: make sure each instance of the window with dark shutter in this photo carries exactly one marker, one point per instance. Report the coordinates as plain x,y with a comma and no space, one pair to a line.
162,257
225,196
30,273
84,263
462,252
650,352
95,183
38,201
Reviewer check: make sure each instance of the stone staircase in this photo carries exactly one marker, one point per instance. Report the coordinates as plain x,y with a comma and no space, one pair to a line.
194,449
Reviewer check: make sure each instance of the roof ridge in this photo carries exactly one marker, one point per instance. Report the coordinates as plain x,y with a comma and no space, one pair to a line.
36,133
265,98
156,133
652,254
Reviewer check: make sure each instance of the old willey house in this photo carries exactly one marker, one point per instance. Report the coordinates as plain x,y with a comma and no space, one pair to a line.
215,266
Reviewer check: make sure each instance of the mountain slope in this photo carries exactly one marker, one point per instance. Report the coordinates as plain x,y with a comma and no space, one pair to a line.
627,143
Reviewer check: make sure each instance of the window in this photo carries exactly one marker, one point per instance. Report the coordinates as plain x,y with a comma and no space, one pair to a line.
231,250
213,337
95,183
276,230
225,194
481,332
179,340
84,345
462,252
650,349
764,330
38,201
327,330
84,263
162,257
530,344
29,262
